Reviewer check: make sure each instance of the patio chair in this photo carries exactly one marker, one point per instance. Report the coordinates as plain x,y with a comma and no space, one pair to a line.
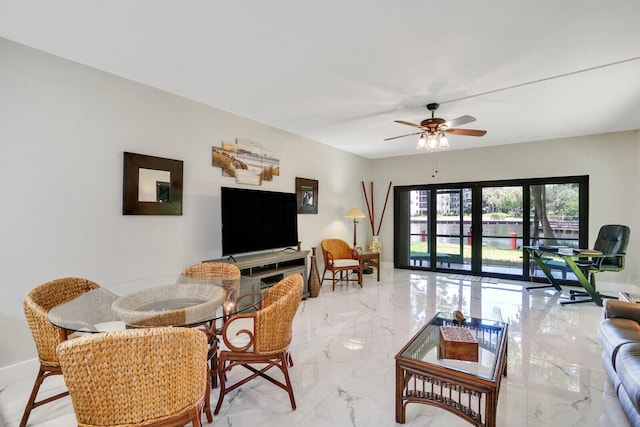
46,336
137,377
338,259
263,338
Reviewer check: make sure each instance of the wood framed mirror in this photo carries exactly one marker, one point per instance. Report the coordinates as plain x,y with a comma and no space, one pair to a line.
151,185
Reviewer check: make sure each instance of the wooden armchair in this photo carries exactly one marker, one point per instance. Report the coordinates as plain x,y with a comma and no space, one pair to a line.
339,258
37,304
137,377
266,335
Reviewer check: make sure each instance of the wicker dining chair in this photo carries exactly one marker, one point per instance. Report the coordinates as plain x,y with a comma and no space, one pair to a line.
340,258
36,306
229,275
268,333
137,377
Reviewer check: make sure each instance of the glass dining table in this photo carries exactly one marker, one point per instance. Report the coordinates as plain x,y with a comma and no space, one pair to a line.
160,301
157,301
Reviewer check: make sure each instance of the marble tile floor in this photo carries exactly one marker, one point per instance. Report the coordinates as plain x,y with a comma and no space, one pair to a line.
344,346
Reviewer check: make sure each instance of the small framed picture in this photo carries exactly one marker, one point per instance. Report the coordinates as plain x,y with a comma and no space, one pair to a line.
163,191
307,195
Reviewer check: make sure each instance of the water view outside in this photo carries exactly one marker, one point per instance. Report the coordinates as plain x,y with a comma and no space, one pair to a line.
553,221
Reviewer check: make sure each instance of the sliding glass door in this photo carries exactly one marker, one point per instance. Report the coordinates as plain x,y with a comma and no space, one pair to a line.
556,221
453,228
414,214
502,229
481,228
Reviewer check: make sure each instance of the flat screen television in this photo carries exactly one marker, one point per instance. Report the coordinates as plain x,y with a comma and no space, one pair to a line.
254,220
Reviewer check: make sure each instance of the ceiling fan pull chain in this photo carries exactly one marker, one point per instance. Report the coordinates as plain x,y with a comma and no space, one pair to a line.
434,165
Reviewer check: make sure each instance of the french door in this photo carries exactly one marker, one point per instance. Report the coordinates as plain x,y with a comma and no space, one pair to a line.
480,228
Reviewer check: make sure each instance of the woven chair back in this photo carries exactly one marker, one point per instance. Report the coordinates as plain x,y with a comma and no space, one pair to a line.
228,274
135,376
338,248
274,320
36,306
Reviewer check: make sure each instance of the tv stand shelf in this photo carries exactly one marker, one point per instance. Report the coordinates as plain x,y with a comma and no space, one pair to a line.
269,268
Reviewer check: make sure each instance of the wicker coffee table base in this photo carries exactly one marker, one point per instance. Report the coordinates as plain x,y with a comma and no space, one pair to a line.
475,400
476,404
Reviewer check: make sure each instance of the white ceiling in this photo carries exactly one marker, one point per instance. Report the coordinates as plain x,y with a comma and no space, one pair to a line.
340,71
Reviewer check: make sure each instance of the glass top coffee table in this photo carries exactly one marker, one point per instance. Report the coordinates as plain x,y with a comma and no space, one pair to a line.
466,388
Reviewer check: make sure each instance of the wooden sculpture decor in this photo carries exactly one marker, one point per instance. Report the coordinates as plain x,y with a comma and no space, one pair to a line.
375,245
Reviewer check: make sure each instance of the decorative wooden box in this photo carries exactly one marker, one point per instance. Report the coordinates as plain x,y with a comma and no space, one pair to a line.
458,343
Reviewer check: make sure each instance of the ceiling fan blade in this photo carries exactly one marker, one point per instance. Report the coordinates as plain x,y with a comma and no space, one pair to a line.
402,122
402,136
462,120
467,132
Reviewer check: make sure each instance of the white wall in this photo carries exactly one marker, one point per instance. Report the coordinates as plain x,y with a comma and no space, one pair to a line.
63,129
610,160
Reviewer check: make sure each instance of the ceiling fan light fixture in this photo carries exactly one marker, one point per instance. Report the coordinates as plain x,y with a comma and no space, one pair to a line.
432,142
422,142
443,141
434,129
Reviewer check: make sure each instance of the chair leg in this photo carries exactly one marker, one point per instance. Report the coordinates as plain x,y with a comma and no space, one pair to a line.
223,383
197,422
212,353
213,374
214,364
323,276
285,371
207,404
588,297
43,373
197,419
280,361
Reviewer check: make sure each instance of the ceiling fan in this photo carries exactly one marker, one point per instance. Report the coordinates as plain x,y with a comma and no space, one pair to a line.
434,129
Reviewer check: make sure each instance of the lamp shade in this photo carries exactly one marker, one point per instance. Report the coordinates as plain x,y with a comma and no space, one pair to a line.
354,213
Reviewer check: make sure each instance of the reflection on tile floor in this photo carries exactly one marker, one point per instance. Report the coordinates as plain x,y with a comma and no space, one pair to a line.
345,342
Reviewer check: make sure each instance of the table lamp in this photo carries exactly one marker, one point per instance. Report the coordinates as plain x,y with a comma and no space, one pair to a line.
355,214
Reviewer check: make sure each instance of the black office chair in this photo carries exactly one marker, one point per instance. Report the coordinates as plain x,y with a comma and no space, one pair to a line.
612,241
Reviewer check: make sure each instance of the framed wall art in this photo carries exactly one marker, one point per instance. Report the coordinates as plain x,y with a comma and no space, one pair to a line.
246,161
307,195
